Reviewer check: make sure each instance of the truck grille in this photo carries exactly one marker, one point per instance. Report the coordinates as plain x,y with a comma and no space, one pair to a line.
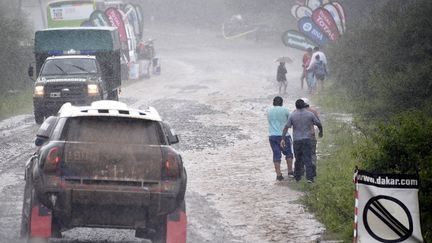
69,90
111,182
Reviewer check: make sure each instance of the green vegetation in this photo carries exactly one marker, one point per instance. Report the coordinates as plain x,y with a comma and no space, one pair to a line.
382,74
332,197
15,56
16,103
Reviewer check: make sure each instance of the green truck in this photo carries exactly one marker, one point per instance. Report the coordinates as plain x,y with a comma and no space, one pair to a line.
77,65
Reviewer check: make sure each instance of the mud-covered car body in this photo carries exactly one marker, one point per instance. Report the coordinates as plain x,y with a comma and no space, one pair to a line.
106,165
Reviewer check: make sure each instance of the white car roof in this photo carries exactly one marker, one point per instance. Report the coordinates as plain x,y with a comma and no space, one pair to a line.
82,28
71,56
108,108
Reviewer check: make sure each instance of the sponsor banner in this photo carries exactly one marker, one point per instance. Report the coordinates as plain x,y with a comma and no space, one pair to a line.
336,17
132,16
303,11
139,12
313,4
387,208
324,20
341,12
116,20
295,39
98,18
312,31
294,10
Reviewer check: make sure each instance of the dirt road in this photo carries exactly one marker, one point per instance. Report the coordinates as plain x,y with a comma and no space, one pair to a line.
214,93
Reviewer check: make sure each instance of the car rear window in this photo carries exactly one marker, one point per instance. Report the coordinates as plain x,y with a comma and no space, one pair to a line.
113,130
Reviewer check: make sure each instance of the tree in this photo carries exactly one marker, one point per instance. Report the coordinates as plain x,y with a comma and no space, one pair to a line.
15,52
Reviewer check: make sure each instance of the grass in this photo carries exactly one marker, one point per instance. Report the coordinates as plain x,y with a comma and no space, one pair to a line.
331,198
12,104
334,100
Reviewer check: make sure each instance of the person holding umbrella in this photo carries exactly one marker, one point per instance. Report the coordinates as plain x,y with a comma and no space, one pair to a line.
281,73
281,77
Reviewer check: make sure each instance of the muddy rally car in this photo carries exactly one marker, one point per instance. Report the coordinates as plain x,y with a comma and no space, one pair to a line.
109,166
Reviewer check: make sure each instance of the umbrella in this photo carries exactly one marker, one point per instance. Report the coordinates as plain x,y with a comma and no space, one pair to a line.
283,59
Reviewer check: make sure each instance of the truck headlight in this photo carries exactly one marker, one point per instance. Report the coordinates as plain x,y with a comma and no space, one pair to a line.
92,89
39,91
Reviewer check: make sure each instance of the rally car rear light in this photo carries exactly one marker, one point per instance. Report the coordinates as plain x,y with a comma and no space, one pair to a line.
52,160
171,165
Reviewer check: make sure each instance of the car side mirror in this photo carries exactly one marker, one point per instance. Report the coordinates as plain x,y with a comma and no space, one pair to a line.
170,134
172,139
30,71
40,140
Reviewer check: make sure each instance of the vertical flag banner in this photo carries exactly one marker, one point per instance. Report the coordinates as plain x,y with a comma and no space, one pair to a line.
116,19
313,4
326,23
336,16
303,11
139,12
132,16
295,39
312,31
98,18
294,10
320,21
341,11
387,208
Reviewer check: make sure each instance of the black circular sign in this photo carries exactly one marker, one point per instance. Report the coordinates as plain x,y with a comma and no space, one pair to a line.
387,219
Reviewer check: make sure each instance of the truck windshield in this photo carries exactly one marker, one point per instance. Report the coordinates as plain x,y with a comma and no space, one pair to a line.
112,130
69,66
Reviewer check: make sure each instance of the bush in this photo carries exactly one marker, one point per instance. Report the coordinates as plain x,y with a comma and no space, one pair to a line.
385,64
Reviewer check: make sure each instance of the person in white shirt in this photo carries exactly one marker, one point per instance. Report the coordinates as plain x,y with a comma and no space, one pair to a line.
310,78
321,55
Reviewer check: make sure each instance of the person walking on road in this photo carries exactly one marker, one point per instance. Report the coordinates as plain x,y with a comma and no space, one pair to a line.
306,60
319,70
281,77
277,117
317,52
301,121
322,57
313,134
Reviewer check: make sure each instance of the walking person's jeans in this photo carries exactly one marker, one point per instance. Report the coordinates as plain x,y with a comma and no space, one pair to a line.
314,156
310,79
303,158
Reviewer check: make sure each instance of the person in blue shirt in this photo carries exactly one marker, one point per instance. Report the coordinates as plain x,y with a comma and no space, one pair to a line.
277,117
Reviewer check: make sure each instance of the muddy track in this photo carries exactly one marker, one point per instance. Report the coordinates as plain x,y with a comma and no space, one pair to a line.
214,93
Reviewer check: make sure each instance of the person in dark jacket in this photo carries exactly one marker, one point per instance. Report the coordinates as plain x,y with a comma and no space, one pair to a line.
281,77
302,120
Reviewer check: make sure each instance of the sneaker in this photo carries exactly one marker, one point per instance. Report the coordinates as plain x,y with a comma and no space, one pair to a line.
279,177
310,181
290,174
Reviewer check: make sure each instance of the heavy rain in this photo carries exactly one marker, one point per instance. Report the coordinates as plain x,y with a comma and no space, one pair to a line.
178,144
